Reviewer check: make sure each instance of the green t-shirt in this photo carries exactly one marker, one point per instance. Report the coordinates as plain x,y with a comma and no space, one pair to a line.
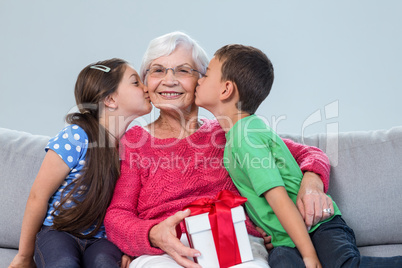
258,160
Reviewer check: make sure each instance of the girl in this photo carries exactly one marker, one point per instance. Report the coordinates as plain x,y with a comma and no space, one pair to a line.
63,220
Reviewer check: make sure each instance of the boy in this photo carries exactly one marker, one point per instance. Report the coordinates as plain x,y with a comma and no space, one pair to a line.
238,79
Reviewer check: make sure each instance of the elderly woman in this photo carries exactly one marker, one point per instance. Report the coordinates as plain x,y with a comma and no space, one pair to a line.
178,159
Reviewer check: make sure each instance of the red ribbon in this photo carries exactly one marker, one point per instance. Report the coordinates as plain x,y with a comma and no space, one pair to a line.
220,218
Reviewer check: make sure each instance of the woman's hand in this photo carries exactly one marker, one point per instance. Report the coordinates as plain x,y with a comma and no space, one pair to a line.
311,200
267,239
163,236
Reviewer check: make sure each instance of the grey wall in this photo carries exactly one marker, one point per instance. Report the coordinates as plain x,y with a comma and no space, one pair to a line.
338,63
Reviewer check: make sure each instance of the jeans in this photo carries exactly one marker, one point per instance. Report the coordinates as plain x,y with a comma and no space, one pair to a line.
335,245
60,249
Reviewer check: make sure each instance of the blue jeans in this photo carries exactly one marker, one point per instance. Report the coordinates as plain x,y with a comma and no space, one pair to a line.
335,245
60,249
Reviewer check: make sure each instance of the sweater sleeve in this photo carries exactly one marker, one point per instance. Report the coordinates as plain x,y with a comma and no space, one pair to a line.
123,226
312,159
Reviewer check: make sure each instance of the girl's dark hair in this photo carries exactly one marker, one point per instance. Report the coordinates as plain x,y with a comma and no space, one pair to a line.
102,168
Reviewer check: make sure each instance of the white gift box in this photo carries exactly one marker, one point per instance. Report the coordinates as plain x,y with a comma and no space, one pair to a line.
201,238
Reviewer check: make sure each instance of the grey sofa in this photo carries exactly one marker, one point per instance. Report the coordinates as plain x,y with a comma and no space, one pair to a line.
366,183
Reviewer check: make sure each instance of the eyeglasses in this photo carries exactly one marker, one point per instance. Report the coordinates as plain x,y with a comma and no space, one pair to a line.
158,71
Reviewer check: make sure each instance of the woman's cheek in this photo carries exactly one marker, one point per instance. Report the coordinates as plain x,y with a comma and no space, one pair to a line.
152,85
192,84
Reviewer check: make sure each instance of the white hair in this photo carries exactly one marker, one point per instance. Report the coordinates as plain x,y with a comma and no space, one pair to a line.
164,45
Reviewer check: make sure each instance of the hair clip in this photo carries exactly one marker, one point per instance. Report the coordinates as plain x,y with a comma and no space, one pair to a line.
101,68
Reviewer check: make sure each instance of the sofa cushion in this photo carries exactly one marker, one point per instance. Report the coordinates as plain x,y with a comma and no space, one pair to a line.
366,181
6,256
381,250
21,155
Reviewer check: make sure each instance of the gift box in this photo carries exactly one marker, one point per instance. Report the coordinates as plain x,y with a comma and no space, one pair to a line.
222,242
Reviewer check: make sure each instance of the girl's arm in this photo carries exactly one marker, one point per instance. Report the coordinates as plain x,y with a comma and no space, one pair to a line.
293,224
50,176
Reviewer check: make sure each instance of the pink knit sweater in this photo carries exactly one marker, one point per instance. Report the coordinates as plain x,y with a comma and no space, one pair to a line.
160,176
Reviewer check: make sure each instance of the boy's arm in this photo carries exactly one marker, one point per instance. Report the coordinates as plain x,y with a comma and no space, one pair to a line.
293,223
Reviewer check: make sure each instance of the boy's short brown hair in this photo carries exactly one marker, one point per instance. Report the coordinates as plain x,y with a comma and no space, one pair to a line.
252,72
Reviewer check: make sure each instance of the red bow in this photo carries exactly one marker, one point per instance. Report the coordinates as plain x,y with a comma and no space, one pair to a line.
220,218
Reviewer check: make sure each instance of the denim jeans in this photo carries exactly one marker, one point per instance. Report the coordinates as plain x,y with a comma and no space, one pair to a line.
60,249
335,245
